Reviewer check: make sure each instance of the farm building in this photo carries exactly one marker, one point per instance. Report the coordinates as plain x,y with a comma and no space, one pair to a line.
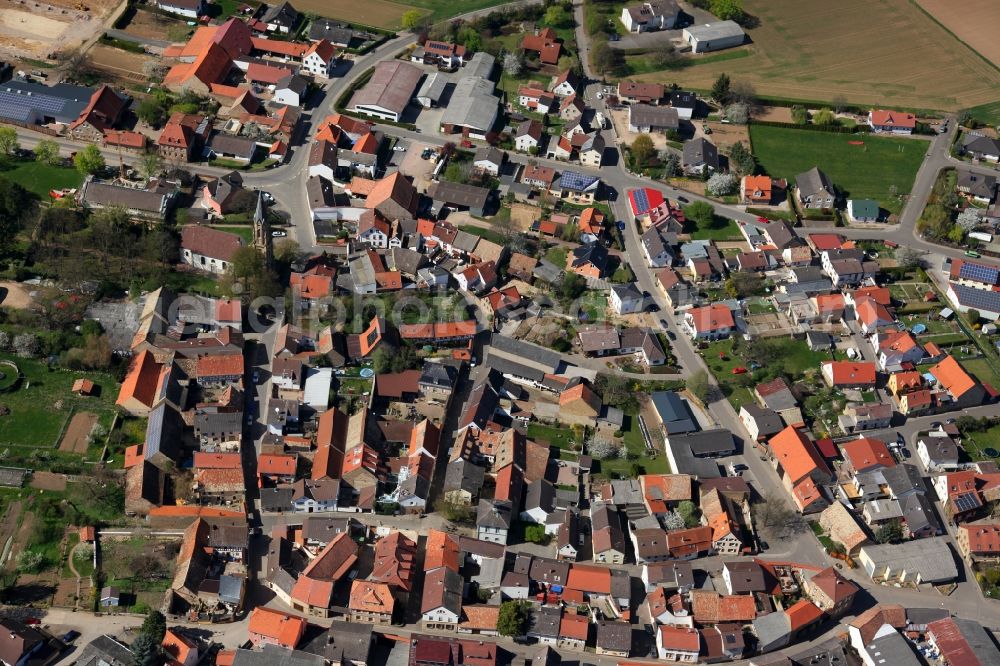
714,36
388,92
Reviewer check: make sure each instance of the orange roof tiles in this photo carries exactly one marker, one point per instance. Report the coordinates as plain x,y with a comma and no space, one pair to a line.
952,376
441,550
271,463
878,294
805,493
133,455
760,184
574,627
851,373
371,597
580,392
220,365
982,538
870,312
659,489
480,617
711,318
802,614
395,561
591,221
865,453
293,49
590,579
883,118
829,302
313,591
177,647
796,454
283,628
142,380
709,607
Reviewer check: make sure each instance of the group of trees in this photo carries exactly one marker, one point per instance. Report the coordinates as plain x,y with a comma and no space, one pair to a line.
146,646
721,184
725,10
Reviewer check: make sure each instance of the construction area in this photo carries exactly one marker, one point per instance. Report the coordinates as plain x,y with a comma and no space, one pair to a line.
49,30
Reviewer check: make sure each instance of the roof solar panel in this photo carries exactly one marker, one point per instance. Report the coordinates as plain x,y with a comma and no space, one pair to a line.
979,299
577,181
966,501
979,272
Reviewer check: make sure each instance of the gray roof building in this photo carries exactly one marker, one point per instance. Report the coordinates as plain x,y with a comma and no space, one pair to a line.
229,145
389,90
472,105
273,655
645,117
700,152
460,195
105,651
674,413
814,183
35,103
432,89
893,649
342,643
497,514
462,475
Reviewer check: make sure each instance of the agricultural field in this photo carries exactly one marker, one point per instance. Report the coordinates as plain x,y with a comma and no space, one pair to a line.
857,171
376,13
867,52
124,66
972,21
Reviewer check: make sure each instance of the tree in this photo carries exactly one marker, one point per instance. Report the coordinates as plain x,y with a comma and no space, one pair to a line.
642,149
968,219
738,113
605,449
774,515
535,534
720,184
741,285
286,251
800,116
248,277
89,160
513,63
412,19
671,163
956,234
727,10
839,103
616,391
155,625
29,561
889,532
47,152
908,258
454,511
673,521
469,37
972,315
824,117
146,651
8,141
606,60
153,109
556,16
25,345
741,161
512,618
16,204
935,221
721,89
701,213
743,92
698,385
689,513
150,165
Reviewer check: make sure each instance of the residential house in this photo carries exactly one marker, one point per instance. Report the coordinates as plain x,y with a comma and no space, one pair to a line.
814,189
801,469
651,15
632,92
700,156
710,322
208,249
545,43
646,118
849,374
756,190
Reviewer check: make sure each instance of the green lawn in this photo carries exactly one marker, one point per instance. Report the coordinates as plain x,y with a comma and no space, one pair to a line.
637,453
442,9
858,171
482,232
557,256
42,405
987,113
981,369
244,232
39,178
722,229
552,435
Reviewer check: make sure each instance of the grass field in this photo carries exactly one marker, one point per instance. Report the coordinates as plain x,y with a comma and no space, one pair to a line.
387,14
866,171
39,178
42,404
987,113
867,51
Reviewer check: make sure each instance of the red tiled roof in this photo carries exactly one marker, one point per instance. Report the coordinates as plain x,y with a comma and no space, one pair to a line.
207,460
796,454
210,242
283,628
952,376
141,381
220,365
851,373
711,317
590,579
866,453
883,118
802,614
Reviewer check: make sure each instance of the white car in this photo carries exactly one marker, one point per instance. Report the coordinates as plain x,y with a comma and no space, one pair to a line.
399,148
600,95
268,197
278,234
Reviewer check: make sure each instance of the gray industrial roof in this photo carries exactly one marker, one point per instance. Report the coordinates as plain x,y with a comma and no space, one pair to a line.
62,102
391,86
931,558
717,30
472,104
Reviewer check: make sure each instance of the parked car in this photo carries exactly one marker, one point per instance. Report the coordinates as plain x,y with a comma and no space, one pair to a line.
70,636
256,375
739,370
268,197
278,234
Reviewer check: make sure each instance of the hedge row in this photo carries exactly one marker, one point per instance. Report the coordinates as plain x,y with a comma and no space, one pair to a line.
835,129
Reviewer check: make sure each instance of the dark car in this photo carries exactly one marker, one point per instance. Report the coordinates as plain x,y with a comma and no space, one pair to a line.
764,546
664,324
70,636
670,334
906,453
682,199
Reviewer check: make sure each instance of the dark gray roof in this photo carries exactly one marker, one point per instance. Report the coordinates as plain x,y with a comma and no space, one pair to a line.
541,495
131,198
718,441
892,649
701,151
615,636
674,412
683,99
63,102
228,144
828,653
746,576
980,641
460,194
512,347
983,145
813,182
648,115
292,82
272,655
688,463
546,271
545,621
324,528
941,449
490,154
282,14
767,420
231,589
977,184
105,651
440,375
343,642
218,423
549,571
320,192
333,32
463,475
494,513
918,512
276,499
903,478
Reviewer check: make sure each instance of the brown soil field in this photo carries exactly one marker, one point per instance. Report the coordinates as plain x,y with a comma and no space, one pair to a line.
153,25
14,295
49,480
122,64
775,114
77,433
973,21
725,135
878,52
377,13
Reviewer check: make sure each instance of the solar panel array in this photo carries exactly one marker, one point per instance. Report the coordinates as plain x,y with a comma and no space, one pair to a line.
20,106
979,272
574,180
966,501
977,299
641,201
